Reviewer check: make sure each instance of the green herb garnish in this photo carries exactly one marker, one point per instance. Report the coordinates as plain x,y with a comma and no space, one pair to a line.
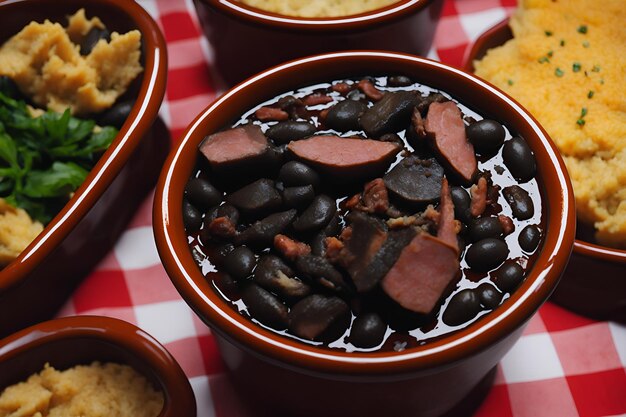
44,159
548,33
509,81
581,120
590,94
582,29
596,68
558,72
550,53
585,44
562,43
543,59
576,66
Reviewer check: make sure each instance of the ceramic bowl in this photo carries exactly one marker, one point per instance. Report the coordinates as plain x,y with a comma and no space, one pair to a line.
80,340
246,40
36,284
292,378
594,282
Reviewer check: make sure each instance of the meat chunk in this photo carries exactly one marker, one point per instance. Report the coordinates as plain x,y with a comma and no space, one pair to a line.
415,181
345,158
421,274
370,90
446,130
479,197
268,114
374,198
236,147
291,249
446,230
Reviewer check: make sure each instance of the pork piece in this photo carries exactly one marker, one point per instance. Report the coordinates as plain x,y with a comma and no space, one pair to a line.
370,90
447,230
256,199
421,274
276,276
479,197
222,227
374,198
268,114
367,237
446,131
291,249
345,159
234,148
417,122
390,114
262,232
415,181
425,102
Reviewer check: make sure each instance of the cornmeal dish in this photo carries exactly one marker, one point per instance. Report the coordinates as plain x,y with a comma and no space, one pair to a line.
96,390
319,8
566,65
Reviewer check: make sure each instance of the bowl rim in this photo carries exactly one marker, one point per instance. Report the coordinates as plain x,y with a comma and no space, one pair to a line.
144,112
581,247
179,399
320,25
173,249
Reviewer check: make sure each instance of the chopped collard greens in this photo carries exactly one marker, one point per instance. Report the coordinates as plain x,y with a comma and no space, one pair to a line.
44,159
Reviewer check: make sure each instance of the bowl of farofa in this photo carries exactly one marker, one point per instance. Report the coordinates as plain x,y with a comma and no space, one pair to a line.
79,365
575,95
281,374
85,226
249,36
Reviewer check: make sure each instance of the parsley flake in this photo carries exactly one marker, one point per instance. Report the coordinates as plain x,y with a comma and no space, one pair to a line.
582,29
581,122
509,81
585,44
543,59
558,72
590,94
548,33
596,68
562,43
576,66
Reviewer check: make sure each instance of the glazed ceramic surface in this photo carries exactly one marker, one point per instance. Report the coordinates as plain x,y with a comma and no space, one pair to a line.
246,40
36,284
594,283
430,380
67,342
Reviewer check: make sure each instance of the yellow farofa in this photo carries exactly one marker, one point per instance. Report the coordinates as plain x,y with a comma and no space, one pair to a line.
567,66
318,8
44,61
96,390
17,230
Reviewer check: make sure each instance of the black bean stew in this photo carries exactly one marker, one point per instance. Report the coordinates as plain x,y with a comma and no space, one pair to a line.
364,214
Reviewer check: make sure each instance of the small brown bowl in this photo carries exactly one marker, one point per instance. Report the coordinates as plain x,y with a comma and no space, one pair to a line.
594,282
80,340
36,284
247,40
292,378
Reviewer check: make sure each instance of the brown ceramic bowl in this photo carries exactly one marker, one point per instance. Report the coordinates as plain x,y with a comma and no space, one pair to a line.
80,340
36,284
594,283
299,379
246,40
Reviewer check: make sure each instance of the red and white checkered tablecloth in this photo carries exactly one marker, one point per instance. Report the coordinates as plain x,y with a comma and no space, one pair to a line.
564,365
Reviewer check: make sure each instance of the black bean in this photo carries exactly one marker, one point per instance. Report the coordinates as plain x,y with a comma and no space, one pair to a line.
508,276
520,202
202,194
462,201
192,218
486,254
116,115
399,81
485,227
318,269
91,39
344,116
529,238
368,331
275,275
296,173
318,317
519,159
487,136
227,285
298,197
463,307
285,132
257,198
8,87
240,262
219,253
265,307
317,215
262,232
489,296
